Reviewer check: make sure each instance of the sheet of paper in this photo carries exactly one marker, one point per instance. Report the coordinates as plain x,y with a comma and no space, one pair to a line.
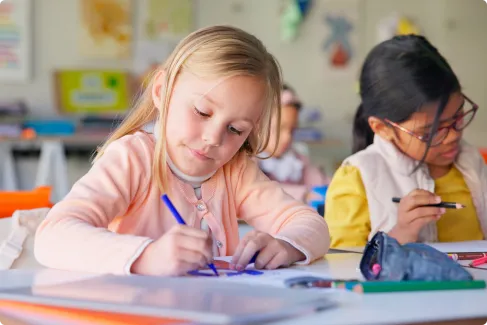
276,278
458,247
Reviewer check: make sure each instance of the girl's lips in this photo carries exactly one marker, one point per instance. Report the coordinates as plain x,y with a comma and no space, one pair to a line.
199,154
450,153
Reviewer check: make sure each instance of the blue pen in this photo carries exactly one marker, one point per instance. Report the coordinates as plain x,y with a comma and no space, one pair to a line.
252,260
180,220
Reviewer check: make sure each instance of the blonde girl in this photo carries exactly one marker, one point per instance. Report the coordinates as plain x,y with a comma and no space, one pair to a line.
213,101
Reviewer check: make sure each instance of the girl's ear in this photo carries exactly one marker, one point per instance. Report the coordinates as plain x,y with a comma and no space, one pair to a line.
380,128
158,88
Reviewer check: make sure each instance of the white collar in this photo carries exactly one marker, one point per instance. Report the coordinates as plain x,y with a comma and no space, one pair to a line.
195,181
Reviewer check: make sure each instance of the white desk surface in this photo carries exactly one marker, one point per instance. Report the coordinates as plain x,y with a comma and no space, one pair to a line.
393,308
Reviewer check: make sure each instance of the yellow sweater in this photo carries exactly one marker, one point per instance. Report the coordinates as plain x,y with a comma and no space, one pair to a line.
347,213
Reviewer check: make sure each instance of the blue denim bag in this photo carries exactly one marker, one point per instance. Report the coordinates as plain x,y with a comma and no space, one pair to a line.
409,262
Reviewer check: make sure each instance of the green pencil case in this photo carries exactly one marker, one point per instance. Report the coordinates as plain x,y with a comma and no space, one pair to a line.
385,259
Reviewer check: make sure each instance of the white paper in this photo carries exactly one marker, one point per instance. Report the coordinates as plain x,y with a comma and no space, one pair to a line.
461,247
276,278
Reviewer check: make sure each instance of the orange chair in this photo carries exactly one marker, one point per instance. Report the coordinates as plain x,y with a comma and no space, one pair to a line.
24,200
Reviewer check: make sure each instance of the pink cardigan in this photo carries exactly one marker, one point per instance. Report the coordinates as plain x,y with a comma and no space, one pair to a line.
115,210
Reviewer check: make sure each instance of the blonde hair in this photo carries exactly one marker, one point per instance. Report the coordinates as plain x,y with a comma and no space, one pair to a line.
216,51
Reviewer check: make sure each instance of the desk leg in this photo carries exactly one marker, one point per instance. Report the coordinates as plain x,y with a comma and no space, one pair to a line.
53,169
8,177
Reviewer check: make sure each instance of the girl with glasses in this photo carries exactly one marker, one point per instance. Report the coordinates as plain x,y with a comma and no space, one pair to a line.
407,143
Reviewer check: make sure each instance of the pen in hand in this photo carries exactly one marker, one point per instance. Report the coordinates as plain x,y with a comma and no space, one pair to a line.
446,205
180,220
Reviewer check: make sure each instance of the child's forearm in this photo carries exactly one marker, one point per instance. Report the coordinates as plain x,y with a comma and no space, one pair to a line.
72,244
298,192
307,232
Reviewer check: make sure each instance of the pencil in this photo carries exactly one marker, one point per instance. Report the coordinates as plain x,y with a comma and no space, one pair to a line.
180,220
478,261
446,205
466,256
402,286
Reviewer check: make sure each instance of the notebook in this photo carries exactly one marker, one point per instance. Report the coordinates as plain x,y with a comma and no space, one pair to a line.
20,313
201,299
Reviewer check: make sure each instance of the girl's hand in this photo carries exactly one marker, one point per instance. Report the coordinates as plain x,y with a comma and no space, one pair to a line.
178,251
414,215
273,252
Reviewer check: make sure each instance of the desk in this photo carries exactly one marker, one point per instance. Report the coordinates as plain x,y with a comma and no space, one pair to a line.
397,308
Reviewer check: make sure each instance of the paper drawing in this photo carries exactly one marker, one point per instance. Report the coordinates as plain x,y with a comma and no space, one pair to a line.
106,28
223,268
338,43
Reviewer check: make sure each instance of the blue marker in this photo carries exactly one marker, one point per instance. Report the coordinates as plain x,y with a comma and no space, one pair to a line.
252,260
180,220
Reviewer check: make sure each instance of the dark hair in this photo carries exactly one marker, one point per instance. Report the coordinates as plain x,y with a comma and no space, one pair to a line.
398,77
296,104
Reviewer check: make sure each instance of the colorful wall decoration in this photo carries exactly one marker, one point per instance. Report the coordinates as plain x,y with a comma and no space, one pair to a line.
396,24
106,28
167,18
341,40
338,45
15,40
291,18
93,91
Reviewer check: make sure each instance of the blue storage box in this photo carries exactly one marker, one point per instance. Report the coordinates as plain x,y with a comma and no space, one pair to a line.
321,191
55,127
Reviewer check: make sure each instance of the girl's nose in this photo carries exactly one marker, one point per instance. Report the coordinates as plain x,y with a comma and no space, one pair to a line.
213,136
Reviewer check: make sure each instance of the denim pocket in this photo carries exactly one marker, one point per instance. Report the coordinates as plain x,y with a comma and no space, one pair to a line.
386,260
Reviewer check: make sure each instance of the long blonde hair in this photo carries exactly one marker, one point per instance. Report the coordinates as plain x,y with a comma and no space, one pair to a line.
216,51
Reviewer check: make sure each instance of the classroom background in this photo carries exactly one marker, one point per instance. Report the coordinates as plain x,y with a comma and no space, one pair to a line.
70,69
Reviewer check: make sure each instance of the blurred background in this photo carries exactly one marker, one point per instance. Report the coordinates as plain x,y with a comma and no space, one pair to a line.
69,69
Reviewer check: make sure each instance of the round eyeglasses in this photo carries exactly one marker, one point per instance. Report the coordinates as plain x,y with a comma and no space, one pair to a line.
460,122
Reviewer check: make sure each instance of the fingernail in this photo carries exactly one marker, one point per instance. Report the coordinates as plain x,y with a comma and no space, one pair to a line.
442,210
437,199
232,266
239,267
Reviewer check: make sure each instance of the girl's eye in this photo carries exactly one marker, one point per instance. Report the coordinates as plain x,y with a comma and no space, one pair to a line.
234,130
201,113
427,136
